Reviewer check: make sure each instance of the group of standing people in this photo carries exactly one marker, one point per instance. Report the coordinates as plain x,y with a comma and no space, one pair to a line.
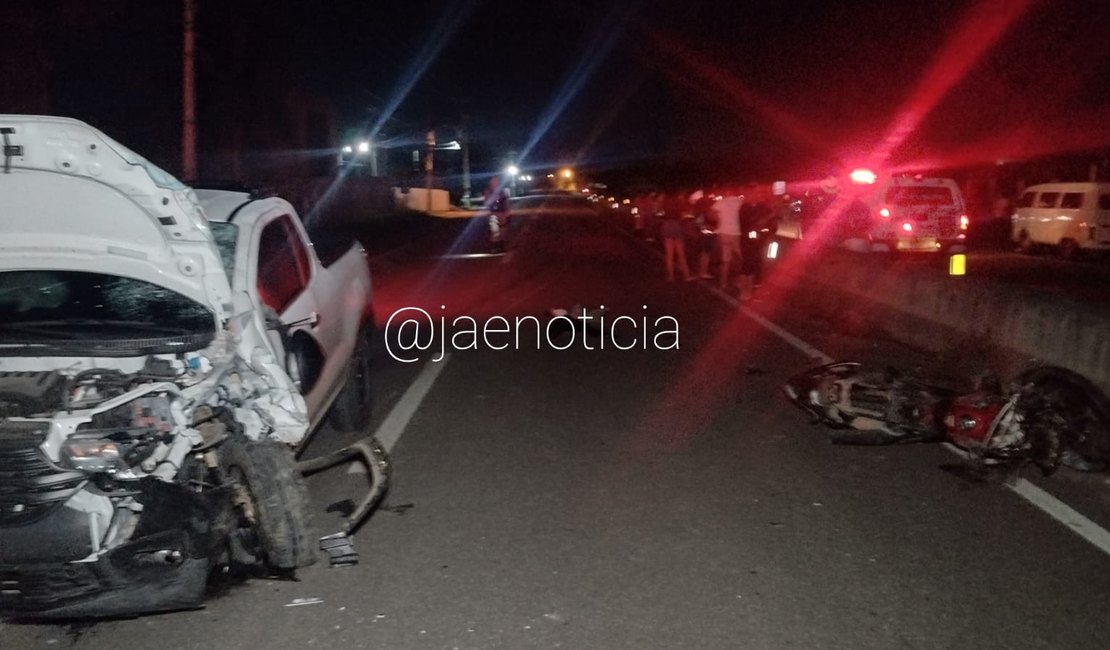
728,226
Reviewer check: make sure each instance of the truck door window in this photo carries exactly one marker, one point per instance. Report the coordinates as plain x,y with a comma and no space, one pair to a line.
283,268
1072,201
1048,199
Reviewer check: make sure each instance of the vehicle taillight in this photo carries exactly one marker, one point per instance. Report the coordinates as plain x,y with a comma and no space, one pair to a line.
964,222
907,227
885,213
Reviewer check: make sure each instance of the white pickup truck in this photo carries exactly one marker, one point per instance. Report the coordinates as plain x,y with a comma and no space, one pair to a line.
147,412
320,315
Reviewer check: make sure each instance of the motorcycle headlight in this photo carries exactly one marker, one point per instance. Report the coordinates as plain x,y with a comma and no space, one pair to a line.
93,455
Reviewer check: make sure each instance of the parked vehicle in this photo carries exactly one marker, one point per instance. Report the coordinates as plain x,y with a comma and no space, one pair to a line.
1048,416
147,421
896,214
1068,216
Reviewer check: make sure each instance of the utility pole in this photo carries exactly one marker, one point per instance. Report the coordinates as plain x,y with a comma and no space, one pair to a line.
189,96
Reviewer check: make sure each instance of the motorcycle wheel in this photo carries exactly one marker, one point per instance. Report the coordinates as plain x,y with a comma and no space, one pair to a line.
1081,412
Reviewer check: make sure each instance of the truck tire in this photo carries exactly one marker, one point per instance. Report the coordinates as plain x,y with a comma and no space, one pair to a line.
275,519
1024,243
1068,249
352,407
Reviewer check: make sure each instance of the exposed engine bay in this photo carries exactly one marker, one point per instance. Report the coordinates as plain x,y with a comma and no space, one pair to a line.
133,466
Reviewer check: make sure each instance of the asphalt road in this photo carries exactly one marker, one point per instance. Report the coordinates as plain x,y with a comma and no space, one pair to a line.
643,498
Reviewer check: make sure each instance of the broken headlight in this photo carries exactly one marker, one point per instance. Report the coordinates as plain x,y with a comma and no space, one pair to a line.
93,455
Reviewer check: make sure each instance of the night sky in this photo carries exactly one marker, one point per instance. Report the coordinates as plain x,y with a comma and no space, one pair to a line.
727,90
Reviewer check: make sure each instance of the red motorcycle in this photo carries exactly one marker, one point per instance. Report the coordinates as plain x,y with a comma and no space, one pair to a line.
1048,416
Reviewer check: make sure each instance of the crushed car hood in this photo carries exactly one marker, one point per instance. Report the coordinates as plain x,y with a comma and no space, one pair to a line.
74,199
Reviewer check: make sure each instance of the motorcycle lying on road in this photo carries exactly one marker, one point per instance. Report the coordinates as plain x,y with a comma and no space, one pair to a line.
1048,416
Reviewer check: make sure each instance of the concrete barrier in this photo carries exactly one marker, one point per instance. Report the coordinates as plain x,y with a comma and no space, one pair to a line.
1030,327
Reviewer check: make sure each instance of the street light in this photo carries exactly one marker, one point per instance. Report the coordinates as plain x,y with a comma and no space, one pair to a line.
359,154
512,170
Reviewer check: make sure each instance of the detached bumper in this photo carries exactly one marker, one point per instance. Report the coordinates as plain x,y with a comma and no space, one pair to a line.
164,566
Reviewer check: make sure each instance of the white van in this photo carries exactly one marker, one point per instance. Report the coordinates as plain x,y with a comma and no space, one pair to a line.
1071,216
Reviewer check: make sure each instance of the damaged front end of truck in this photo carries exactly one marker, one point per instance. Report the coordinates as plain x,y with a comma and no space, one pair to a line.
146,428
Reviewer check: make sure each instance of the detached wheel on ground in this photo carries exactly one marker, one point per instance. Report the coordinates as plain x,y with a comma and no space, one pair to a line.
271,500
352,407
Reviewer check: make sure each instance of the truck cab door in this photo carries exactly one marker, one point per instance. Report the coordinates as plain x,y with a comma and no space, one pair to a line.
282,276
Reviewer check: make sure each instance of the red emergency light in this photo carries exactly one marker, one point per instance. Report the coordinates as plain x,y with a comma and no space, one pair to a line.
863,176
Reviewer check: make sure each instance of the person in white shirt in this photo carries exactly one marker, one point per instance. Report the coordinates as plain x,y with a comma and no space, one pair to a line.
728,231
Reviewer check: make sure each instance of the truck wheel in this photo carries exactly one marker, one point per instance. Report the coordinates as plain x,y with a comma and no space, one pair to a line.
1024,243
1068,249
271,501
352,407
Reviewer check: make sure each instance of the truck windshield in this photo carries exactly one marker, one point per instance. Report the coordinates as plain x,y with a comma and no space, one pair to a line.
923,195
76,309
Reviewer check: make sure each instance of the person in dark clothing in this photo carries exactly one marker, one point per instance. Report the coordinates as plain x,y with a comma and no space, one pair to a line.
674,243
749,265
705,218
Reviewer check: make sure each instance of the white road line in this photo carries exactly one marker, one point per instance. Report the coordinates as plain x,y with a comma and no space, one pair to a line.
1062,513
394,424
1053,507
797,343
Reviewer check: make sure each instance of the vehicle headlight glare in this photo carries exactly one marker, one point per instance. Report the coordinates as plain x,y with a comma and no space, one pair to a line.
92,455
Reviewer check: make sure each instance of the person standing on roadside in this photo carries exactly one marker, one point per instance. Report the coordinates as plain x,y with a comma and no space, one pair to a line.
750,214
655,216
728,232
674,243
497,202
705,218
641,212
